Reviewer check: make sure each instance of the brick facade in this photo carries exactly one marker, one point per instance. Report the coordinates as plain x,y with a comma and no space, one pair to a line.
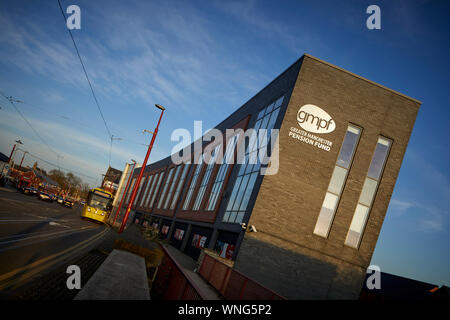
304,265
284,254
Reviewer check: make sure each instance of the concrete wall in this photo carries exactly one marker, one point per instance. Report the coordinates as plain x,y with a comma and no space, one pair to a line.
284,254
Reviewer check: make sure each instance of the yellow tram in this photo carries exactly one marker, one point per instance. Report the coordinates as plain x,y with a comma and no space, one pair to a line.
98,205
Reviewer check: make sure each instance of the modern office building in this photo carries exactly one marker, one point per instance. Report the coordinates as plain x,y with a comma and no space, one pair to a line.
306,223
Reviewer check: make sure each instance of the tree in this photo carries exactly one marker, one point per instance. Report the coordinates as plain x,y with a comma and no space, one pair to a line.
68,182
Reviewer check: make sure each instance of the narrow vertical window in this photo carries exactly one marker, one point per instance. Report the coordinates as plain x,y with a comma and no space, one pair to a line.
221,175
139,189
205,180
155,192
144,194
337,181
180,186
172,185
368,191
166,184
193,183
152,188
130,191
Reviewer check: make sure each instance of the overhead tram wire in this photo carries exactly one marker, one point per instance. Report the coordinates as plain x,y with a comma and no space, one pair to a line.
85,72
28,122
42,139
60,168
80,123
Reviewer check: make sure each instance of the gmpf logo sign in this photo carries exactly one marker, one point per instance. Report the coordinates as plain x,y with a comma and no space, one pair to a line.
313,119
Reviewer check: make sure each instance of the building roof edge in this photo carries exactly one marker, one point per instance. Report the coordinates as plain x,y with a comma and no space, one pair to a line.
362,78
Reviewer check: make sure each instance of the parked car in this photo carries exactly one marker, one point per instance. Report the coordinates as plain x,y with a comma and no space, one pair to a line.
60,200
34,191
68,203
45,196
27,191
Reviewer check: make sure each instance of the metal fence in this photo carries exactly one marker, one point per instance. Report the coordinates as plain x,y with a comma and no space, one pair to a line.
232,284
172,283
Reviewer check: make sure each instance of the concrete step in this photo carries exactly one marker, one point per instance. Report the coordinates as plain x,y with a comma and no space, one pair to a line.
122,276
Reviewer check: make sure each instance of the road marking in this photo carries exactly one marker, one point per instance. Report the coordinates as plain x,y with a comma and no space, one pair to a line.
46,236
10,279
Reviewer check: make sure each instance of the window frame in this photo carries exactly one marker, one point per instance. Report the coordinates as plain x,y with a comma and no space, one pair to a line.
202,214
258,116
369,208
339,196
167,212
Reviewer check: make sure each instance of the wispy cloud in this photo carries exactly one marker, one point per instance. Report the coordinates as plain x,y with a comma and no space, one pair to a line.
427,217
68,143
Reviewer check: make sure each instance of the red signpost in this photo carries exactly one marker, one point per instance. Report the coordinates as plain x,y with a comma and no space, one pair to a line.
138,181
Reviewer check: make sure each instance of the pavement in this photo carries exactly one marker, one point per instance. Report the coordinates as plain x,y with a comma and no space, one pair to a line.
122,276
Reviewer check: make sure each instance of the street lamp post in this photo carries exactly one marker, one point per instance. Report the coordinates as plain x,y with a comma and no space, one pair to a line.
21,161
14,147
138,181
110,148
125,191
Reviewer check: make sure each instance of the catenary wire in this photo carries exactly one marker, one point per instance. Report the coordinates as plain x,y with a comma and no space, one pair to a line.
85,72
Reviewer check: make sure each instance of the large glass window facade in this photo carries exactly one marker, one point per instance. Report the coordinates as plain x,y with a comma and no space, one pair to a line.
249,170
337,181
368,191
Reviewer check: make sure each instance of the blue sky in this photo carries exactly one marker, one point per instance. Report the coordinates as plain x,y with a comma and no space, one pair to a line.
203,60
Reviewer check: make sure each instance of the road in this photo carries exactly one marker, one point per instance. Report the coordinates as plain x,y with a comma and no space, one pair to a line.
35,236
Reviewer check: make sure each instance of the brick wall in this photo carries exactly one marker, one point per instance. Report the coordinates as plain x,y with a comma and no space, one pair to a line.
284,254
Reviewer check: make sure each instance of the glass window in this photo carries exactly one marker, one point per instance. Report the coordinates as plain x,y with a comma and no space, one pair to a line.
144,195
166,184
326,214
179,187
249,170
357,225
221,174
378,158
193,183
368,191
152,188
348,146
337,181
205,180
139,189
156,189
130,191
172,185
